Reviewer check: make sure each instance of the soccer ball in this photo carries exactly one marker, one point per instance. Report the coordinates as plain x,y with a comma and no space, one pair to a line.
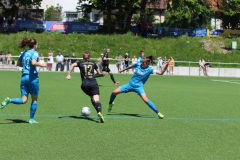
86,111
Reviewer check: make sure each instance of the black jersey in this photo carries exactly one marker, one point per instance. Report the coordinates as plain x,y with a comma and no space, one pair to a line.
105,62
87,70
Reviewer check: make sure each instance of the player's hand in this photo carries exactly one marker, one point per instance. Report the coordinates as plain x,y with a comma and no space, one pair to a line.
68,77
44,64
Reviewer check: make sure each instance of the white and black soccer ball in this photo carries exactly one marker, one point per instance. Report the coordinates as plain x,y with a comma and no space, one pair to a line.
86,111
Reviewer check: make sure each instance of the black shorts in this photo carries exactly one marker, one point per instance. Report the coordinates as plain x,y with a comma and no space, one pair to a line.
106,69
90,89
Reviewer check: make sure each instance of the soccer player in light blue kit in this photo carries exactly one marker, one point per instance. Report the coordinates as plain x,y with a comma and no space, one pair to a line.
29,83
141,54
136,84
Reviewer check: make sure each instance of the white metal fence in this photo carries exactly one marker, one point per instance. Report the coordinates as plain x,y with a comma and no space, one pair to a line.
182,68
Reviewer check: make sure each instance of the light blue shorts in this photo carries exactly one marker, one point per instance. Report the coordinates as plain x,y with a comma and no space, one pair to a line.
29,84
130,88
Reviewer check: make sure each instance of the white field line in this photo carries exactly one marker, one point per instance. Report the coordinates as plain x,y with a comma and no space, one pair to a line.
224,81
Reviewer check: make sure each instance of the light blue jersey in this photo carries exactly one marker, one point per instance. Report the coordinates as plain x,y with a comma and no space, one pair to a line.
141,74
138,80
139,59
26,58
29,81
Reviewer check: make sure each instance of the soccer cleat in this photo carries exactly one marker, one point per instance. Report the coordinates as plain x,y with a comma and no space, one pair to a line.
110,107
5,102
32,121
116,83
161,116
101,117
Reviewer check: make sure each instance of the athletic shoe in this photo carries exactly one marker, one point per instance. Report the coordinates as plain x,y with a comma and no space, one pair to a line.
116,83
5,102
101,117
110,107
161,116
32,121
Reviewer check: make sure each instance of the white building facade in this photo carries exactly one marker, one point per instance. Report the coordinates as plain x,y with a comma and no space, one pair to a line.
69,10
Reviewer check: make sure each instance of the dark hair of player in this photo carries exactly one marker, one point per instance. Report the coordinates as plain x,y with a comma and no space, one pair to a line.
27,42
86,55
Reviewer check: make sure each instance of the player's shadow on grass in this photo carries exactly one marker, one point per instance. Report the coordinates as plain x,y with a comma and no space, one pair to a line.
13,121
80,117
129,114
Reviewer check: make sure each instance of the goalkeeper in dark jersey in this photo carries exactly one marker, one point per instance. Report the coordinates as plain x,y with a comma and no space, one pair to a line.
89,84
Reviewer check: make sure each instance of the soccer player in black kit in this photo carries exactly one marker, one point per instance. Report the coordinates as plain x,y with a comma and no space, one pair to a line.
89,84
105,64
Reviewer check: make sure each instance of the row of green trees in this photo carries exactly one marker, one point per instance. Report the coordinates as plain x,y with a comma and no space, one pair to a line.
182,13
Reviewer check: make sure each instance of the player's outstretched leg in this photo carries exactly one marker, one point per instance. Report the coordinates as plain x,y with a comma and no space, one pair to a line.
154,108
5,102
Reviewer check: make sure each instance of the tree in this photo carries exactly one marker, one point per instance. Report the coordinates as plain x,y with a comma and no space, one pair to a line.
188,13
25,3
125,8
53,13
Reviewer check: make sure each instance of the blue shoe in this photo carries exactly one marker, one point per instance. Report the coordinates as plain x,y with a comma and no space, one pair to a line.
101,117
5,102
110,107
32,121
161,116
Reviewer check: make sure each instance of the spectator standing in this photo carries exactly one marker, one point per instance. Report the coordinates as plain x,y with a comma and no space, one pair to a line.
50,61
126,61
119,59
41,61
139,27
207,67
59,62
66,62
201,66
10,22
160,64
171,65
134,60
100,67
1,23
73,60
9,58
1,57
165,61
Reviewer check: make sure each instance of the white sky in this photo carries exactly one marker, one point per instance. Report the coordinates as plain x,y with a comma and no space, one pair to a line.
68,5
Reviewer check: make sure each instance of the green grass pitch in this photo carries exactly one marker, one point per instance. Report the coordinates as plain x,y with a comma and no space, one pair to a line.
202,119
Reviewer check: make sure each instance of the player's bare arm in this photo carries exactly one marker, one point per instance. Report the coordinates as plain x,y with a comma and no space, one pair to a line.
35,63
104,58
164,69
70,70
127,68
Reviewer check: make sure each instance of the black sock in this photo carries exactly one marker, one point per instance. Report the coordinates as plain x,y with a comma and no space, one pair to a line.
112,78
